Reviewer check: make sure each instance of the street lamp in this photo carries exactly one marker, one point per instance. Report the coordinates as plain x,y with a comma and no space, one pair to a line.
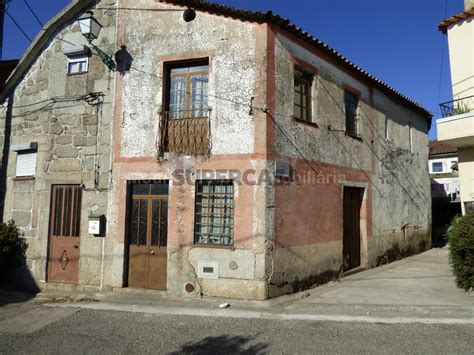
90,29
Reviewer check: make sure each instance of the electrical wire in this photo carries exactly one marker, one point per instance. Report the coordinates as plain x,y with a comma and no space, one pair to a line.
34,14
215,96
442,54
19,27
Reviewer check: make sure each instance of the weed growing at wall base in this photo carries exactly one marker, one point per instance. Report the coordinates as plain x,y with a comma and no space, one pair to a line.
461,250
12,250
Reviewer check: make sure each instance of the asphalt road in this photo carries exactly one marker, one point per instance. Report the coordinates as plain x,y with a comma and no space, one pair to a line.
28,328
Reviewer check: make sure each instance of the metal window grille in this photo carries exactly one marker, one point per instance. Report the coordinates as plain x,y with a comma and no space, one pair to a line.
189,135
214,218
66,213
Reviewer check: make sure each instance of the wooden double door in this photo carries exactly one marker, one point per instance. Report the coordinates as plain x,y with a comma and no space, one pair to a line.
351,240
148,236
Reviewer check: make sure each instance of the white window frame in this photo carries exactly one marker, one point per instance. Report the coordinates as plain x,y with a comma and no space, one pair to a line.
82,58
22,158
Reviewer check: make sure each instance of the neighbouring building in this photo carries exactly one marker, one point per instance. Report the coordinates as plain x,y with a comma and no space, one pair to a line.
231,154
457,125
443,168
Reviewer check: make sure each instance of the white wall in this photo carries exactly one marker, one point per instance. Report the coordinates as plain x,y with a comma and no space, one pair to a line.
461,54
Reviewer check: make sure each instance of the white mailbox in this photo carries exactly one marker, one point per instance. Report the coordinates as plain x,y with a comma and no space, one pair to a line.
96,225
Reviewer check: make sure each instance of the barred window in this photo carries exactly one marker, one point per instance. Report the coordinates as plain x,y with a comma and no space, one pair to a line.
66,210
214,218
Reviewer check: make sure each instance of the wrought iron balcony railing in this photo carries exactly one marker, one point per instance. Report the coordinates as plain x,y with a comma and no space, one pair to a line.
457,107
185,132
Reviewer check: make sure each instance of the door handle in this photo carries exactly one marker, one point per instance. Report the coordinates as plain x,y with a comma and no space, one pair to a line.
152,252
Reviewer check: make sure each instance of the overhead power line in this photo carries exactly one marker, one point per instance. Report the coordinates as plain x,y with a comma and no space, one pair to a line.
33,13
19,27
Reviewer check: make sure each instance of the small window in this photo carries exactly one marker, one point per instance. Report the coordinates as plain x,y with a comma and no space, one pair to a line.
437,167
351,102
78,64
214,220
302,95
25,164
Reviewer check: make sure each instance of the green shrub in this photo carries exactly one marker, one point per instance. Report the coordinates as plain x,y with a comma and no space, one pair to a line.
12,246
461,250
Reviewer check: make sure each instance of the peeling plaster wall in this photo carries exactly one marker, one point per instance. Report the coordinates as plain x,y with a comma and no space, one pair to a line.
72,138
396,212
154,37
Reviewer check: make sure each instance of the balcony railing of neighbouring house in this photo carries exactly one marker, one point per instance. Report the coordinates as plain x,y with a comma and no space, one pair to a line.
185,132
457,107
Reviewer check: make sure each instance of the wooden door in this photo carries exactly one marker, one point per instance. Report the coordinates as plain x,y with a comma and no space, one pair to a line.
148,238
351,240
64,235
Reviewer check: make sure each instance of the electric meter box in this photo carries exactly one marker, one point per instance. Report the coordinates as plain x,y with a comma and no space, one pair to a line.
96,225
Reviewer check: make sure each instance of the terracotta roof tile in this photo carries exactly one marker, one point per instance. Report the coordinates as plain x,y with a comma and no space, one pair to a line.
443,26
438,148
285,24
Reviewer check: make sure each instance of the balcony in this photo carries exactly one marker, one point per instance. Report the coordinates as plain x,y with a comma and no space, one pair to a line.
185,133
457,107
457,125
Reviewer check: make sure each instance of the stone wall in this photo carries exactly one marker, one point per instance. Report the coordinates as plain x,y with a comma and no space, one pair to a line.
74,139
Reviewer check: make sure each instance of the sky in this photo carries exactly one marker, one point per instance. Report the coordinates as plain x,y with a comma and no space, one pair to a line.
397,41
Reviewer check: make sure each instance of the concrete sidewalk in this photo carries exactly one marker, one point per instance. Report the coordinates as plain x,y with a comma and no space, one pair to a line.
419,289
421,285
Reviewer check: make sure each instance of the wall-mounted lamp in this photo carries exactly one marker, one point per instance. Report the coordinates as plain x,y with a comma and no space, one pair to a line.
90,29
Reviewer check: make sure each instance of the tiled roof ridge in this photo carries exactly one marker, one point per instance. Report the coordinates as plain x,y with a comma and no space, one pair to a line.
443,26
439,147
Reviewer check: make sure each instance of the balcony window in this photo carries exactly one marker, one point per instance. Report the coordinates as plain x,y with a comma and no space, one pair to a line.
188,91
185,124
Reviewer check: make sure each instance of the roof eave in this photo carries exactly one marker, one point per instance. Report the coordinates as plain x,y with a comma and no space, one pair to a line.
286,25
446,23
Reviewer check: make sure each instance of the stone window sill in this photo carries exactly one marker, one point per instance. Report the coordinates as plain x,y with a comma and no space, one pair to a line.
356,137
214,246
23,178
309,123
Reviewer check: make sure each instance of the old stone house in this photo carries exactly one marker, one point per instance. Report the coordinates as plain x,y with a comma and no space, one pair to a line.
231,154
